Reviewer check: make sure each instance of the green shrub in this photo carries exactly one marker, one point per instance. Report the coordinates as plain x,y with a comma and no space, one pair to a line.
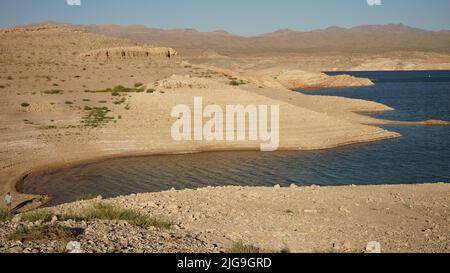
138,84
25,104
42,234
5,215
119,89
69,102
234,83
123,100
96,117
53,92
103,211
37,215
48,127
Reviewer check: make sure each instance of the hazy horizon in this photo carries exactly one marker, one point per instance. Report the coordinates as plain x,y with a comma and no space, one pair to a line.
211,31
248,18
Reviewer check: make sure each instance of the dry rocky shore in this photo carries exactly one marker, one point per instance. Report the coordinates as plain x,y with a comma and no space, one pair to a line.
104,237
402,218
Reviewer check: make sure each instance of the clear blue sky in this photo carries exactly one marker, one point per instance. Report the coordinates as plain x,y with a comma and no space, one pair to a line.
244,17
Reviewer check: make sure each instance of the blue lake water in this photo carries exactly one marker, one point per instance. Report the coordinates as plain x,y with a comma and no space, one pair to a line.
421,155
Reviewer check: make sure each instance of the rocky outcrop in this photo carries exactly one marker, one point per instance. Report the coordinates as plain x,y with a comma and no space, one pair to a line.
298,79
131,52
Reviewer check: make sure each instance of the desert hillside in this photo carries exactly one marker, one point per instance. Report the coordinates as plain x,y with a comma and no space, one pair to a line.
363,39
364,48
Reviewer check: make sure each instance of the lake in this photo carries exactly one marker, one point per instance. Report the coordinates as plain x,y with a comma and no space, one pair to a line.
422,155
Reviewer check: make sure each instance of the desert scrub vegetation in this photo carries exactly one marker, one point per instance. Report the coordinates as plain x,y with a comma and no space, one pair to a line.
54,92
138,84
121,101
47,127
119,89
151,90
234,83
37,215
96,117
43,234
102,211
241,248
5,215
69,102
25,104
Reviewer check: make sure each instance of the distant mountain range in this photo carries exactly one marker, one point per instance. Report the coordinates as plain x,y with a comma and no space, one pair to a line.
361,39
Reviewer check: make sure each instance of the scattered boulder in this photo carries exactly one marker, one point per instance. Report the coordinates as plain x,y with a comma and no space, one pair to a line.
74,247
373,247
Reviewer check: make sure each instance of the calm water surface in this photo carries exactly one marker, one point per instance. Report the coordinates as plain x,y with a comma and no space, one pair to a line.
422,155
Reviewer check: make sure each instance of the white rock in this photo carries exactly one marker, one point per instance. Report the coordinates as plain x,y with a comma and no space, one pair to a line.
373,247
74,247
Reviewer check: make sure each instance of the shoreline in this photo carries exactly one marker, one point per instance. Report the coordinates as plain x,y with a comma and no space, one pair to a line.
50,168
